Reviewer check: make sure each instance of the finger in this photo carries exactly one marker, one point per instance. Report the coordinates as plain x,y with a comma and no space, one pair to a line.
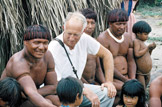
102,87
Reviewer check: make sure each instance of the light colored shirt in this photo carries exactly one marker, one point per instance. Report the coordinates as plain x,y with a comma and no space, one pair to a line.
86,45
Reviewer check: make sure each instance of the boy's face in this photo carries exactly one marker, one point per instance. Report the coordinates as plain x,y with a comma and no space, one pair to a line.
142,36
130,101
91,24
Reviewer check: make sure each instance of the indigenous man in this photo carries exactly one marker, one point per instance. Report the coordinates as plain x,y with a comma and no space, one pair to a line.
156,92
33,66
120,45
78,46
92,68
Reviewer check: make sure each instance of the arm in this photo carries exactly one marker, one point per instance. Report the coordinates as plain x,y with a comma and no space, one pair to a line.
92,97
131,64
119,76
155,93
137,51
99,73
83,80
108,63
50,83
30,89
151,47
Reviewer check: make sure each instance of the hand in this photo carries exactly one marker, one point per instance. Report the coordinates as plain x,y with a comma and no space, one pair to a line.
92,97
111,89
152,46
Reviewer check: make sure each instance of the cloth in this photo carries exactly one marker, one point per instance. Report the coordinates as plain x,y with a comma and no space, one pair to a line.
105,101
132,18
86,45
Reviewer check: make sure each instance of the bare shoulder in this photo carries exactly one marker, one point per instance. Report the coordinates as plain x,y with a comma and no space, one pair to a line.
50,61
103,38
128,39
48,55
17,65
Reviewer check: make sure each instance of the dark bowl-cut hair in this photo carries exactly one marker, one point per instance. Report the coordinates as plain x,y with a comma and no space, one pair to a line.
68,88
141,27
37,32
117,15
10,91
89,14
133,88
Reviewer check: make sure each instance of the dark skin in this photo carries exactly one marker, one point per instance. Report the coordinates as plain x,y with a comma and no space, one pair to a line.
124,63
155,92
122,53
92,69
33,66
143,57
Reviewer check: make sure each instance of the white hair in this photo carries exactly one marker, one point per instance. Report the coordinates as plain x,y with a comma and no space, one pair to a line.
78,16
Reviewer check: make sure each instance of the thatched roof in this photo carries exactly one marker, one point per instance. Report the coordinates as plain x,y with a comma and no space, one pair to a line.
16,15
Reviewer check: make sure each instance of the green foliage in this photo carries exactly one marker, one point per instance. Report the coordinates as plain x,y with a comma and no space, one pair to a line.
158,2
155,39
147,10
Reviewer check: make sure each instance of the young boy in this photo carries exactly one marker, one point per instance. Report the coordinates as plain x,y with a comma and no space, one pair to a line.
142,52
70,92
10,93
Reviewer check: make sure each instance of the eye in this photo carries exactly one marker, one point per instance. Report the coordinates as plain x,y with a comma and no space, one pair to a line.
36,42
46,43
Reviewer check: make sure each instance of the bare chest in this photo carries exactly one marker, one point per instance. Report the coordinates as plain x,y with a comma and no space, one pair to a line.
38,72
118,49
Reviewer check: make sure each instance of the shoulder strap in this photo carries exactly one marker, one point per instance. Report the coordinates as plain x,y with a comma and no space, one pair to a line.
62,44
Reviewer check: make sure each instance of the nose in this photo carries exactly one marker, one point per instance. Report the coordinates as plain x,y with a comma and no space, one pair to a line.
129,100
71,38
89,25
122,26
41,46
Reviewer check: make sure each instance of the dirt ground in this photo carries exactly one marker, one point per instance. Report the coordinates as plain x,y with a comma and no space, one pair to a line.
156,25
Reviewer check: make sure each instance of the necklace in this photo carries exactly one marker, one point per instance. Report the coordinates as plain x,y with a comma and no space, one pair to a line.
117,40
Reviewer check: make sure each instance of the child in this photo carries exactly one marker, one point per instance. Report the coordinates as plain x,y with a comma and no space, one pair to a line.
10,93
132,94
142,52
70,92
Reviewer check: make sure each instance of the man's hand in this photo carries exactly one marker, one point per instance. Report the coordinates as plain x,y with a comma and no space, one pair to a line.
111,90
92,97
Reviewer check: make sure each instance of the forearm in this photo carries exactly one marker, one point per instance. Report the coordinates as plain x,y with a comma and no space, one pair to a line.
141,52
47,90
109,67
131,65
38,100
83,80
132,70
119,76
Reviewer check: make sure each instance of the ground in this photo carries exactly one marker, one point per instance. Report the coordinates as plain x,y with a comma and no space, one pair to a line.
153,15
